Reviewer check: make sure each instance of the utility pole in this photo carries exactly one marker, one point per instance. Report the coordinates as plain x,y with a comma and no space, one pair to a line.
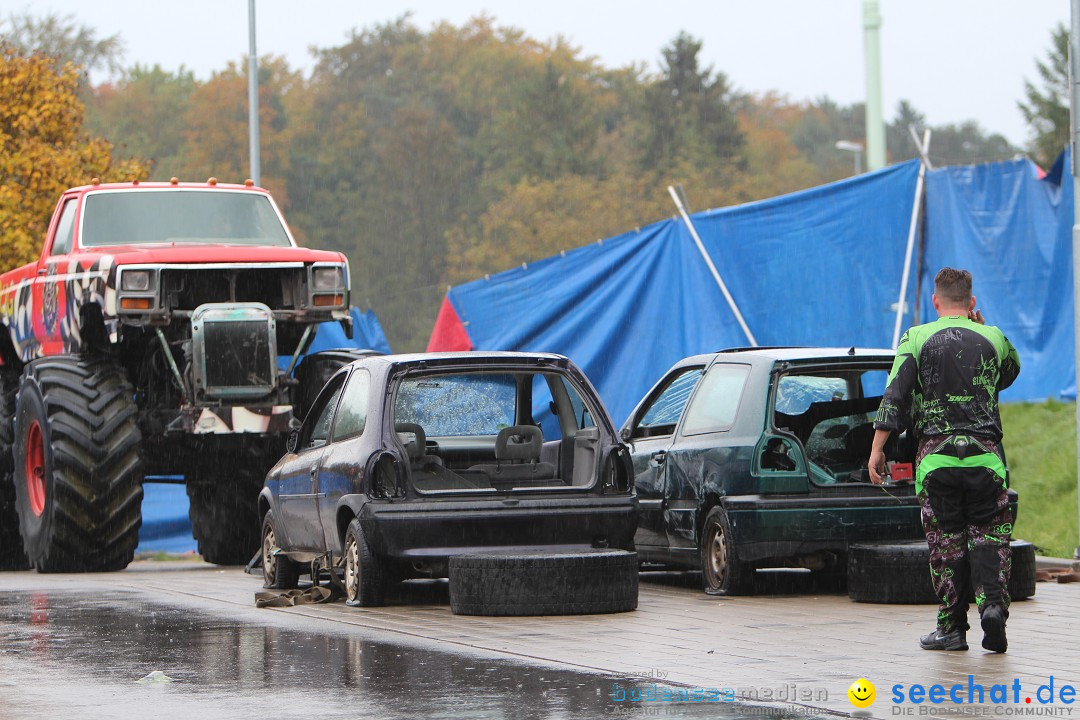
1074,123
253,97
875,126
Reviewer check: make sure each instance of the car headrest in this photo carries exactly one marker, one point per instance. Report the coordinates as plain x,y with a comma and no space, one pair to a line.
415,447
519,442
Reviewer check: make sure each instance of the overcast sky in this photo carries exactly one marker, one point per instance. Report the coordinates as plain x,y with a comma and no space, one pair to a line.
954,60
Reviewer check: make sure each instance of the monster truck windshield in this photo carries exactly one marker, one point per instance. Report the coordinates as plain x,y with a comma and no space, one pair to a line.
180,217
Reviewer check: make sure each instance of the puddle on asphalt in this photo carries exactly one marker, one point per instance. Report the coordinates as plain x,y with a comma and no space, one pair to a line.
67,653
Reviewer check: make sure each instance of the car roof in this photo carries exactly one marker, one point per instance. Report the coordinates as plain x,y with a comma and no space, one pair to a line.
785,354
790,354
469,358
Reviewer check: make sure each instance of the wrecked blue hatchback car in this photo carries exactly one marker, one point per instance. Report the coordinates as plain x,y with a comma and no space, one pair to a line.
404,461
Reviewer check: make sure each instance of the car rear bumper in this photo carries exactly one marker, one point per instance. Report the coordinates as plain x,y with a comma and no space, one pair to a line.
436,531
765,527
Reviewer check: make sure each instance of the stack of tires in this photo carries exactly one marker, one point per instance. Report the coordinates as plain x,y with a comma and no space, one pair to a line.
898,573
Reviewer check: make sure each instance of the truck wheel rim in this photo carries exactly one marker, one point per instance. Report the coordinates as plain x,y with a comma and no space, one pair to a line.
352,568
35,469
268,558
718,556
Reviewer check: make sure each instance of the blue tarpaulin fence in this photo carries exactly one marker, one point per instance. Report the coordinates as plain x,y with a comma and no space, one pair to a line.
1013,230
818,267
166,527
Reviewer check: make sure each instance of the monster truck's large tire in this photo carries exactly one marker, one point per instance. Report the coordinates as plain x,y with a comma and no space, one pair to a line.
78,473
12,556
544,583
315,369
898,573
224,515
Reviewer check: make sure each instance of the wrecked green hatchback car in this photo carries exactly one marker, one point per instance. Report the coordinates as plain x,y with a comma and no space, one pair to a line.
756,458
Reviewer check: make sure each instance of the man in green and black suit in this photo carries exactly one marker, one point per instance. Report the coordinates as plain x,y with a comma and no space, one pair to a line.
946,379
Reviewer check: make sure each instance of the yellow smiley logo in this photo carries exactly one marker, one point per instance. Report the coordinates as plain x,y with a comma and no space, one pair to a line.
862,693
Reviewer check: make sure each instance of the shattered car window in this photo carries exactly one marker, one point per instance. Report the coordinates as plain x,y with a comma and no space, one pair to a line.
670,403
462,404
796,393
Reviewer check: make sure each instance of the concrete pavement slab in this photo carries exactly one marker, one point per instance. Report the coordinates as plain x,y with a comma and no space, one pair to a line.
794,650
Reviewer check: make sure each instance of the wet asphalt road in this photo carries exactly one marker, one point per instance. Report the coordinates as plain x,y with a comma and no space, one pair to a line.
66,653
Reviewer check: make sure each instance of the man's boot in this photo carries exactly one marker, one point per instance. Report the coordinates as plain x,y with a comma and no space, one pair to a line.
955,639
993,625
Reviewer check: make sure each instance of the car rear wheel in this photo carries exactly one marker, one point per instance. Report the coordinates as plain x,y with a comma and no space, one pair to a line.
898,573
722,571
279,571
365,577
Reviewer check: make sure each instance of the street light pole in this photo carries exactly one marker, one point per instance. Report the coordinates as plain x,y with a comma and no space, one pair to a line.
875,126
253,97
852,147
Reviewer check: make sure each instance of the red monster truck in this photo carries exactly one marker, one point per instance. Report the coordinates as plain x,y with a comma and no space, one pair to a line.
145,341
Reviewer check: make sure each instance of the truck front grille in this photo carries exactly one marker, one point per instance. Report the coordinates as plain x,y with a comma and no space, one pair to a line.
187,289
238,354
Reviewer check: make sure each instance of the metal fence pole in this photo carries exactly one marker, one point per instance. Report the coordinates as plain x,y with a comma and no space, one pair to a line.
712,267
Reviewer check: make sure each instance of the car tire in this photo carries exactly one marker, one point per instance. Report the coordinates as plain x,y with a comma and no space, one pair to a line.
544,583
365,576
225,517
12,555
722,572
897,573
280,572
78,472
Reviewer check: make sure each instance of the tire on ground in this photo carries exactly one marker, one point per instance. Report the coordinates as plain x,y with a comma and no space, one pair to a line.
722,572
544,583
224,515
280,572
899,573
77,469
12,556
365,572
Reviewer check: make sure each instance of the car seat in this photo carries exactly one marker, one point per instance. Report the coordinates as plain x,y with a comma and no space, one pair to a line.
517,458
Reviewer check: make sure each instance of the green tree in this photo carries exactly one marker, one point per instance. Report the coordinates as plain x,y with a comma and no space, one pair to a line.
145,114
898,138
689,111
215,127
966,143
1046,109
63,40
817,130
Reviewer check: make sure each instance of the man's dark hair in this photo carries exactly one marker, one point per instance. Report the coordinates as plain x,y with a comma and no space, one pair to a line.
953,284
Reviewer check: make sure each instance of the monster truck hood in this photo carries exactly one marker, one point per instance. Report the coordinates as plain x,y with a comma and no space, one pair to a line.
192,254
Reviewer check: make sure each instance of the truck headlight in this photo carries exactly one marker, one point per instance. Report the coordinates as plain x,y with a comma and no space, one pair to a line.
328,279
135,281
